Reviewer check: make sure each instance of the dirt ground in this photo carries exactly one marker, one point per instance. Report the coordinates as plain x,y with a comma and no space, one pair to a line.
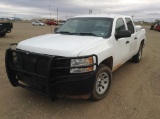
134,94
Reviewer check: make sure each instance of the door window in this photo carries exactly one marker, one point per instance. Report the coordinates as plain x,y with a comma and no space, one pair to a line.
130,25
120,26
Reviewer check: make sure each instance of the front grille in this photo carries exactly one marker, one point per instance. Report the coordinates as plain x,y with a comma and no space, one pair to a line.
60,67
32,63
43,65
40,65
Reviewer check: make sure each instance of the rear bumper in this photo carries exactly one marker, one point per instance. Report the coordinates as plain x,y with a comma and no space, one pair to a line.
48,84
5,31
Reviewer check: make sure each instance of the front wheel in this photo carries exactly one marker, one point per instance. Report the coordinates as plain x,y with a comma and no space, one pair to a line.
102,83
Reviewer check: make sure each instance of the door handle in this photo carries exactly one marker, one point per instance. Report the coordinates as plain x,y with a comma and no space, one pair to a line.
127,42
135,38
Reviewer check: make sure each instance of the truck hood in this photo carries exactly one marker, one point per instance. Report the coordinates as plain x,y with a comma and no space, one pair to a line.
58,44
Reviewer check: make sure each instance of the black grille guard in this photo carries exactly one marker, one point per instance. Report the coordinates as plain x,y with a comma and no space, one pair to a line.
12,70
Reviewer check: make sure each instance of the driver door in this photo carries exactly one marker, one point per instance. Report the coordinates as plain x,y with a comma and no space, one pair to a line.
121,45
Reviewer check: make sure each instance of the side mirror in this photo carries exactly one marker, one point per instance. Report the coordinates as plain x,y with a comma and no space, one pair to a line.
123,34
55,29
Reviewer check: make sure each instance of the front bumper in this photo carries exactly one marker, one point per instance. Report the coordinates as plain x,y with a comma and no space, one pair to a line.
81,84
47,75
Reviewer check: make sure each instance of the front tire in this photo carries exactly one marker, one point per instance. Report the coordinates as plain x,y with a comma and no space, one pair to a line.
102,83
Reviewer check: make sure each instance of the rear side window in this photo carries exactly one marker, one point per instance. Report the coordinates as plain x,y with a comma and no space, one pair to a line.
130,25
120,26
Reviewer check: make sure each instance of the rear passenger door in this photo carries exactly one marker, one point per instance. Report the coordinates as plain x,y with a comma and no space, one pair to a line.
133,39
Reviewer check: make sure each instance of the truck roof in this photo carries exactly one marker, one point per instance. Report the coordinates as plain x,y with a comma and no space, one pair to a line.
102,16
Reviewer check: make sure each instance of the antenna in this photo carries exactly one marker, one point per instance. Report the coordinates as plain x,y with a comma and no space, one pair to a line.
57,16
90,11
50,16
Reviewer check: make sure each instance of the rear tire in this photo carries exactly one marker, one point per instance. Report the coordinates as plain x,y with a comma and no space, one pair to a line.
102,83
2,34
137,58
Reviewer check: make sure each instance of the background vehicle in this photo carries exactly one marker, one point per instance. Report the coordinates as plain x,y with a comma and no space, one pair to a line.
37,23
154,25
79,59
51,23
5,27
157,28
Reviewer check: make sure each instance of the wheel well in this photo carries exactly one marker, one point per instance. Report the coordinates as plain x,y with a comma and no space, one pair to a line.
108,62
142,42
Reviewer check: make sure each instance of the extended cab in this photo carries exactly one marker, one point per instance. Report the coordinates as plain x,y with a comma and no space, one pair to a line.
5,27
78,59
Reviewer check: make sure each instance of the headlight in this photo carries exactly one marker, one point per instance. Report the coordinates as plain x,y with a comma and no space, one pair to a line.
80,63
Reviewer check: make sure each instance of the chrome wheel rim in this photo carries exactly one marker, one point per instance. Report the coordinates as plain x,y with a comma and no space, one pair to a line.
102,83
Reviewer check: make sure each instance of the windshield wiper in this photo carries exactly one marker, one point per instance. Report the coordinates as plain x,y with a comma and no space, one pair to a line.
87,33
64,32
69,33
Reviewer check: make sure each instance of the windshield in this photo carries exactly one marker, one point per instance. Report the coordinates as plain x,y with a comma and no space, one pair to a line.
100,27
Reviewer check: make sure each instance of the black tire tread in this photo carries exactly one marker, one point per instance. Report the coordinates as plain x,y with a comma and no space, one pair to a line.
94,95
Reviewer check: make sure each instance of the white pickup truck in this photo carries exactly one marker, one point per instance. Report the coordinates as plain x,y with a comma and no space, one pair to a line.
78,59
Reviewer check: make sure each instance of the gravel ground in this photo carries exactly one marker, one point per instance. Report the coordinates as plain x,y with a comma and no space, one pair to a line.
134,94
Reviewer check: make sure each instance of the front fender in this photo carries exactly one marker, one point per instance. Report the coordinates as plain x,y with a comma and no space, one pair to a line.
102,49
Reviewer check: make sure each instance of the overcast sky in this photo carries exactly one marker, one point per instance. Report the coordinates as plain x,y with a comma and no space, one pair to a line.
28,9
